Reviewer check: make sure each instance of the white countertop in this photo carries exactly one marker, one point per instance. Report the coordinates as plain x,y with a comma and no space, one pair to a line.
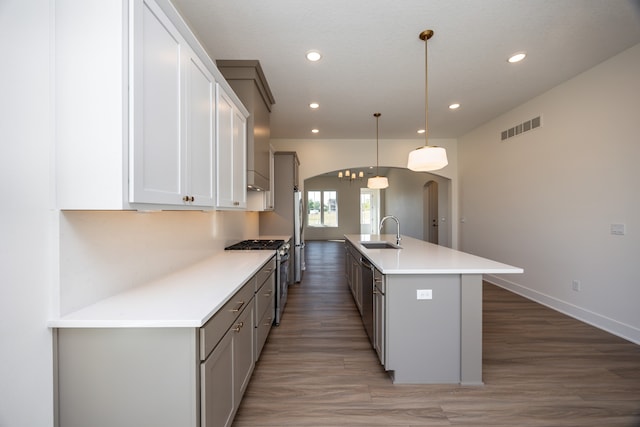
420,257
186,298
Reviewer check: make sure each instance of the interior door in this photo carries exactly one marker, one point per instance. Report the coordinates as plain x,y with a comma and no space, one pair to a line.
430,199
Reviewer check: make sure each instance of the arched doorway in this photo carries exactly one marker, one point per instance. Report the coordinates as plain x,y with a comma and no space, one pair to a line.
430,211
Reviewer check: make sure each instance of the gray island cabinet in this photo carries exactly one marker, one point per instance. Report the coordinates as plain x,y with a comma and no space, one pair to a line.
175,352
426,308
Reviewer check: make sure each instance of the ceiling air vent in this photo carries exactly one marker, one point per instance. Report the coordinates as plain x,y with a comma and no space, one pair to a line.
523,127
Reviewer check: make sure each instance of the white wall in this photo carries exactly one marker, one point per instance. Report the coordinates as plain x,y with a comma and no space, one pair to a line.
318,156
26,236
405,200
545,200
348,207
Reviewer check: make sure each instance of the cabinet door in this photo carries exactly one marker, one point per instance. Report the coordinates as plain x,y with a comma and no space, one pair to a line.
356,282
269,199
243,353
231,157
224,149
217,394
156,143
379,316
200,137
239,159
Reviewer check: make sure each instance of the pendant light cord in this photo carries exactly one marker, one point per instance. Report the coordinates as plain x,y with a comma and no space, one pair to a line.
377,116
426,35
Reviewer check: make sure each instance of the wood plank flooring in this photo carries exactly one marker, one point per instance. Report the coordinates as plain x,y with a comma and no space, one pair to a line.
541,368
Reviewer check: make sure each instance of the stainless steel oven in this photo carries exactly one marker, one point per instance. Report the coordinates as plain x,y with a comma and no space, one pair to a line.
282,267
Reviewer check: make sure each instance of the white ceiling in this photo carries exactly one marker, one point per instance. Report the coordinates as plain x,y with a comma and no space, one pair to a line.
374,61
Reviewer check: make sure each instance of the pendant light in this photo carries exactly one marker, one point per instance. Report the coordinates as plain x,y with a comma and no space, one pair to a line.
377,182
427,158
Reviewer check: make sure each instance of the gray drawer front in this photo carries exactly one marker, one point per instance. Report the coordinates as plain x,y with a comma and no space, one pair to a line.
265,297
265,272
217,326
262,331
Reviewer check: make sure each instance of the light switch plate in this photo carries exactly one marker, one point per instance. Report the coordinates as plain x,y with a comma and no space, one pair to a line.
425,294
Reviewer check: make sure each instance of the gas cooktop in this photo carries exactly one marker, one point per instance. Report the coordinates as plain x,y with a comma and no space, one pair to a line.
254,245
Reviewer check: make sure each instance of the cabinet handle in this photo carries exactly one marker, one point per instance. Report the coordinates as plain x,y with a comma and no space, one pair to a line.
193,199
188,199
268,294
238,326
238,307
269,322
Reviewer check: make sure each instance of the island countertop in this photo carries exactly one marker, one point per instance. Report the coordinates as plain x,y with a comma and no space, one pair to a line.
420,257
185,298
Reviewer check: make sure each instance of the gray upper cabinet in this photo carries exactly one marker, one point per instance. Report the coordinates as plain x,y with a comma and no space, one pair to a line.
249,83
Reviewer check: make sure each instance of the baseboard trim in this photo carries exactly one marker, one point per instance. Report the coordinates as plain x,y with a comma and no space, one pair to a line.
612,326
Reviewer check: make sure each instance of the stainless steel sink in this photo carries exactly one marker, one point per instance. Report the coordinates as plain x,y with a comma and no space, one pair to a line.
379,245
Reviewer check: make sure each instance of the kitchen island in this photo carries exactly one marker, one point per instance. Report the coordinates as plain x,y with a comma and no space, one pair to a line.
427,307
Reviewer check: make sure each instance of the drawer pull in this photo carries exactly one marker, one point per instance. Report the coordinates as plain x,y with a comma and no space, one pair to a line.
269,322
268,294
238,326
238,307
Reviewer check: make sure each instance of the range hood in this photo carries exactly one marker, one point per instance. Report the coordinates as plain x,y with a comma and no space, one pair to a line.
248,82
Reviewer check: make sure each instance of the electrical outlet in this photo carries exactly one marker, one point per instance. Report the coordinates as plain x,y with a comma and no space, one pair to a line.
576,285
425,294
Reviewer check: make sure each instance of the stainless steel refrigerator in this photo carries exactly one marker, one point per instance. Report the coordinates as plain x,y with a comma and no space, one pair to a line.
298,223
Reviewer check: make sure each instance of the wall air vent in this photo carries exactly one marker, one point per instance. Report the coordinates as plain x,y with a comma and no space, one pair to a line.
523,127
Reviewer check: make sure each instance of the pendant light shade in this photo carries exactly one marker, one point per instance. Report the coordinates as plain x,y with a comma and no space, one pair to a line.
377,182
427,158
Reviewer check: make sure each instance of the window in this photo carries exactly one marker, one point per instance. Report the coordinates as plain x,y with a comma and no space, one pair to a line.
322,208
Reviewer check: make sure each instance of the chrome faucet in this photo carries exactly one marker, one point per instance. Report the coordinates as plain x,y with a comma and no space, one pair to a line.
398,238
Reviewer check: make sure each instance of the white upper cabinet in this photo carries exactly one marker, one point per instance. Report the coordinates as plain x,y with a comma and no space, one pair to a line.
200,133
171,141
135,111
157,140
231,156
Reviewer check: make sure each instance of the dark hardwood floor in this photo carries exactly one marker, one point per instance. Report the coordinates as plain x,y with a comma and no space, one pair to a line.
541,368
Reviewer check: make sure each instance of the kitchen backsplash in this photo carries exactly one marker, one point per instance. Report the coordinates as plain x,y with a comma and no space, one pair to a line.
106,252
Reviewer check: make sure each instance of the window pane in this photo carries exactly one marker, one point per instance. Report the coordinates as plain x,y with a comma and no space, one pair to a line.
330,209
313,209
365,208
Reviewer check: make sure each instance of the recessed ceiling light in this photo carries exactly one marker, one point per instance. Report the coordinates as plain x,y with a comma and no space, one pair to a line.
314,55
314,131
517,57
454,106
314,105
420,130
